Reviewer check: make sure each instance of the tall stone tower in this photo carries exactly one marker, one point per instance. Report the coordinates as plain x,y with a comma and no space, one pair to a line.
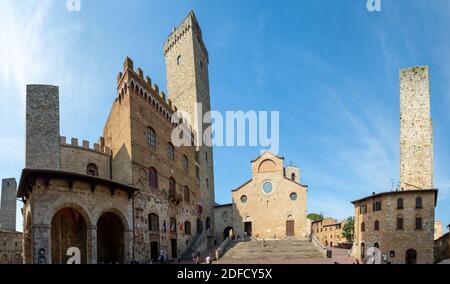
42,128
188,86
416,131
8,205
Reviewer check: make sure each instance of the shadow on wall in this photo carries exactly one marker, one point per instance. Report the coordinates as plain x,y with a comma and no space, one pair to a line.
121,166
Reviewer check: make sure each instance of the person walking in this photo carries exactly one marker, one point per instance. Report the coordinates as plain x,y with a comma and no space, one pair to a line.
209,259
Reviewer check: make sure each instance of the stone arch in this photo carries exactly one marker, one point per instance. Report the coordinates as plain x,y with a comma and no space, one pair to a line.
267,166
85,213
4,259
111,238
228,233
120,215
68,229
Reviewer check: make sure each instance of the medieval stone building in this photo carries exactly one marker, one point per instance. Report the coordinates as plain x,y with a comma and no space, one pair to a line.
271,205
328,232
10,240
134,194
401,223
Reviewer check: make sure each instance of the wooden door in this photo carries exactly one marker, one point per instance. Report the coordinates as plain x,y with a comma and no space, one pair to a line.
290,228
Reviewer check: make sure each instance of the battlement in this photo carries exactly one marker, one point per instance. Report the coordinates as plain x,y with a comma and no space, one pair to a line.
85,145
189,24
134,82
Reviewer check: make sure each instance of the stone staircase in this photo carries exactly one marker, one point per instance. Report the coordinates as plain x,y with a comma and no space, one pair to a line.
283,249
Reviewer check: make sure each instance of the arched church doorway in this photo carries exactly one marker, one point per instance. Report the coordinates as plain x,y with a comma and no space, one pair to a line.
110,239
68,230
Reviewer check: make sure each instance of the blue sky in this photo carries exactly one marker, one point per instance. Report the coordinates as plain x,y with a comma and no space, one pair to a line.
330,68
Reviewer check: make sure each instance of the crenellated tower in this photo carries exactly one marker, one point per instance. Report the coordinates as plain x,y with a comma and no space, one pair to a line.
187,63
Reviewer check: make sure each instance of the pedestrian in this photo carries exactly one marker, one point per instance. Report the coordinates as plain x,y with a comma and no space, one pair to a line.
197,260
179,256
209,259
193,256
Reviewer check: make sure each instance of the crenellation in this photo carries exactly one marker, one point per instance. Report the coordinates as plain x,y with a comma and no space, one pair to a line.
86,145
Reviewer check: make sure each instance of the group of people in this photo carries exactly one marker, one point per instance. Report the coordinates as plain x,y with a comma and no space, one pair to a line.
196,258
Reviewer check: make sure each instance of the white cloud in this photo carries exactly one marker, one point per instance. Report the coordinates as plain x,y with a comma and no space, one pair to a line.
34,44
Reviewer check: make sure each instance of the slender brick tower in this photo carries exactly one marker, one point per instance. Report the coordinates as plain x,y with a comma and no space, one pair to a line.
416,133
8,205
188,85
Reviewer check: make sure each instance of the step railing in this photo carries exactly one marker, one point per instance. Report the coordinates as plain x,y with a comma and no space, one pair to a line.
319,246
220,251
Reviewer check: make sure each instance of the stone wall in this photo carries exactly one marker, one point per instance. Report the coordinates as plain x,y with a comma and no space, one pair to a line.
10,247
223,215
76,158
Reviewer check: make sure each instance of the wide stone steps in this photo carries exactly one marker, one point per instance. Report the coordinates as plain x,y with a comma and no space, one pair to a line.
271,250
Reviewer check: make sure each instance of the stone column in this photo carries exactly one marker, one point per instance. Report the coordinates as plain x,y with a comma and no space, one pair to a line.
92,245
41,244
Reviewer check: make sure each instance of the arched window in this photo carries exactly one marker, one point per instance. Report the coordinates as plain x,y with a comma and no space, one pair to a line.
187,228
377,225
197,172
173,225
363,227
187,194
207,183
92,170
418,222
376,245
419,203
185,161
153,222
400,203
172,187
171,151
400,222
179,60
153,177
151,136
293,176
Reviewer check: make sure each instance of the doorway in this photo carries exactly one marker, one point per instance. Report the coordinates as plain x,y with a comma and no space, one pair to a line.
248,228
154,251
173,245
290,228
411,257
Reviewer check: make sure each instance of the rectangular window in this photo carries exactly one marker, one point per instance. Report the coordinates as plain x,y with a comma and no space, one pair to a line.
377,206
399,223
418,223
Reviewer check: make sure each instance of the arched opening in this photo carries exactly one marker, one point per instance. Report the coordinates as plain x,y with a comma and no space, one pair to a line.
92,170
110,239
376,245
363,251
4,259
267,166
411,257
228,233
68,230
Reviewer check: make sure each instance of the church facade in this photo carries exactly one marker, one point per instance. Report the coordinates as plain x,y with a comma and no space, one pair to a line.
271,205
